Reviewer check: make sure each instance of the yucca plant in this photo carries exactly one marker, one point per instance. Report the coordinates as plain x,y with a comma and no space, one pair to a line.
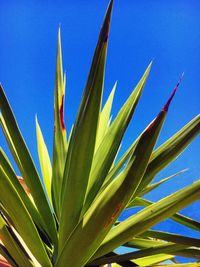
69,218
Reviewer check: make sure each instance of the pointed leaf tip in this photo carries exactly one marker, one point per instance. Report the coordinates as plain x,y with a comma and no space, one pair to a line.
59,39
106,25
59,32
110,5
109,9
166,106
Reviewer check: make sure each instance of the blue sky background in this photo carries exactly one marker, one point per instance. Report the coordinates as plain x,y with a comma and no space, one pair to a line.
166,31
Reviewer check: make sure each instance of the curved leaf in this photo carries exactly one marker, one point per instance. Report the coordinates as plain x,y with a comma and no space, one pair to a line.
21,218
25,163
14,180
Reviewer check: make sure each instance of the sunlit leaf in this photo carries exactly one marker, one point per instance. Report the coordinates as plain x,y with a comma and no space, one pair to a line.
60,141
44,158
141,221
25,164
107,207
82,143
22,219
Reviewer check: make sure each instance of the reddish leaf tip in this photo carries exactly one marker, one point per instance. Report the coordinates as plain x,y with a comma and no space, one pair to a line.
62,114
106,24
166,106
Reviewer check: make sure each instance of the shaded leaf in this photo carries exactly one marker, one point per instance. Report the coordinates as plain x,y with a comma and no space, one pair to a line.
12,246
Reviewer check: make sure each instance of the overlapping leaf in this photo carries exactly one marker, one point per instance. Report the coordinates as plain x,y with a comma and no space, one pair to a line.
6,259
22,219
153,186
184,220
169,150
105,117
107,207
170,237
106,152
17,253
26,165
82,143
60,141
71,218
23,195
164,249
148,217
45,162
163,155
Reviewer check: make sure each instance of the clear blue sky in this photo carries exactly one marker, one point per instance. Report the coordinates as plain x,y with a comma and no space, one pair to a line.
166,31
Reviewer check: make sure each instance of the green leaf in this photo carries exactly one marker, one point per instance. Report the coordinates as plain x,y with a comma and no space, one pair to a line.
111,175
162,156
169,150
107,150
45,162
118,166
151,187
161,249
125,263
175,238
107,206
184,220
104,120
158,250
25,163
157,241
82,142
21,218
12,245
6,166
164,249
143,220
152,260
141,243
60,139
